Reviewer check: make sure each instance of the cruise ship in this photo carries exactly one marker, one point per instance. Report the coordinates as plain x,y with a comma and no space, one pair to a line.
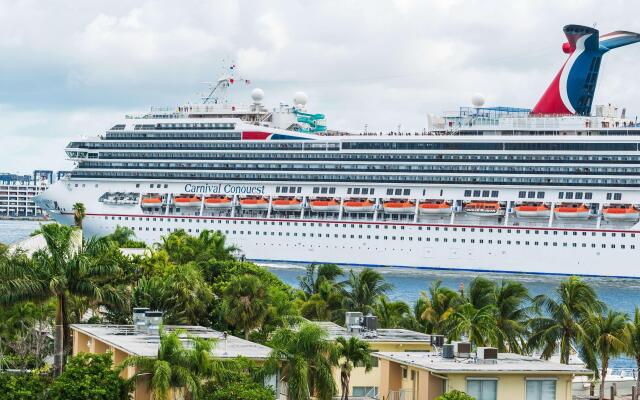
548,190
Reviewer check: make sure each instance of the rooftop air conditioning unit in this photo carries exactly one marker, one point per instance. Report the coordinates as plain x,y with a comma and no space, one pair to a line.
437,340
448,351
487,353
370,322
462,349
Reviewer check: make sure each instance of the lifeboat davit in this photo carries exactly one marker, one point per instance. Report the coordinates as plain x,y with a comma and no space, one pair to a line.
254,203
573,211
324,205
484,208
151,201
217,202
621,212
359,206
399,206
431,207
187,201
532,210
286,204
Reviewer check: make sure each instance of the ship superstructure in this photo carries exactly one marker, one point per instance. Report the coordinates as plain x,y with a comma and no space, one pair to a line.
485,188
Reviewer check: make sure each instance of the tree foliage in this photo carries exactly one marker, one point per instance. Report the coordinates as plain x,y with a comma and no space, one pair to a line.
455,395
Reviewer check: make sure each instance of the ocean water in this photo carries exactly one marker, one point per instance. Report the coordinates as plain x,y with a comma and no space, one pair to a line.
619,294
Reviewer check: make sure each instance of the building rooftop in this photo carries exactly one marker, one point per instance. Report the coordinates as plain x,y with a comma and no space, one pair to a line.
506,363
124,338
379,335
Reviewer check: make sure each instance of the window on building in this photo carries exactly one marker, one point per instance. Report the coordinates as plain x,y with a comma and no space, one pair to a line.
617,196
482,389
467,193
389,192
541,389
365,391
522,194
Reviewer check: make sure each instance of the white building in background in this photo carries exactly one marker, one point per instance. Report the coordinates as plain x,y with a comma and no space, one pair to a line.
16,200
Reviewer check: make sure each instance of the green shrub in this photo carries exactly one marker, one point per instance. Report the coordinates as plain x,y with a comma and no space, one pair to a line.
89,376
25,386
455,395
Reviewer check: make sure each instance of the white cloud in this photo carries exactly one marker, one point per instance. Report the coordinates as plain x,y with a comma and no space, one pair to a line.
73,67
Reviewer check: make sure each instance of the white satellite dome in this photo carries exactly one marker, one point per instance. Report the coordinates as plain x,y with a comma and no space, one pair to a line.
300,99
257,95
477,99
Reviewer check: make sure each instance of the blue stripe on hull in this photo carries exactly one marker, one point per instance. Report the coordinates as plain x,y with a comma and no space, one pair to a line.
496,271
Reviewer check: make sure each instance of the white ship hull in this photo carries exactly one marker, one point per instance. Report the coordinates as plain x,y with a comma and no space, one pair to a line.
479,245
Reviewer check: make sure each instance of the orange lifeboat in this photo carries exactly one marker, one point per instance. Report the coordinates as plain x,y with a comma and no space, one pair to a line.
187,201
254,203
286,204
324,205
151,201
430,207
358,206
572,210
532,210
484,208
621,212
217,202
399,206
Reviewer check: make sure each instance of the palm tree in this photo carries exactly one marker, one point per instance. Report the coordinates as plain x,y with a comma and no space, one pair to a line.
316,274
633,341
59,271
512,315
362,290
607,336
245,303
437,306
175,369
79,212
353,351
562,325
324,305
477,325
392,314
305,358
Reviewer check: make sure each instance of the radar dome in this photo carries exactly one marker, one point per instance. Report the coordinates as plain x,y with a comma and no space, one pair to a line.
257,95
477,99
300,99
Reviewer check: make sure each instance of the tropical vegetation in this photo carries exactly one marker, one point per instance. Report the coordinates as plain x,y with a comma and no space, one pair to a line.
203,280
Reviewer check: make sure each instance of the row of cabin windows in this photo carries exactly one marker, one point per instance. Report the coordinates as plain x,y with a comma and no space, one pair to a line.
288,189
398,192
326,190
357,190
530,195
382,226
481,193
615,196
576,195
401,238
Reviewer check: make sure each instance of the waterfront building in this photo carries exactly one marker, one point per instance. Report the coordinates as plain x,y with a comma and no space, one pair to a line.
367,384
16,199
548,190
485,375
126,340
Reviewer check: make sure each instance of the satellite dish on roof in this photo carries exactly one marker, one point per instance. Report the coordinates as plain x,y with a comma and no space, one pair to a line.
477,99
257,95
300,99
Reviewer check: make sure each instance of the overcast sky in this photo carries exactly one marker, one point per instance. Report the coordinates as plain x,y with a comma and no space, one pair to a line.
72,68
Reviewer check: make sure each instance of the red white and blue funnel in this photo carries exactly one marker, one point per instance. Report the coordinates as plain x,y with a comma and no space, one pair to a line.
571,91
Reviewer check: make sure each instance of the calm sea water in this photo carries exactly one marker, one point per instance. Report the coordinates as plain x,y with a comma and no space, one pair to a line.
619,294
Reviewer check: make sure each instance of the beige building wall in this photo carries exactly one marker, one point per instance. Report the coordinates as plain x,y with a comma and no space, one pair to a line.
359,377
513,386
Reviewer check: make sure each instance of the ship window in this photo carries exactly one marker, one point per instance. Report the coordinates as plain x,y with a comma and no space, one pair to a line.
531,195
561,195
389,192
467,193
299,189
494,193
137,185
588,196
398,192
333,190
569,195
579,195
292,189
365,191
323,190
278,189
617,196
485,193
608,195
356,190
406,192
522,194
476,193
541,195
